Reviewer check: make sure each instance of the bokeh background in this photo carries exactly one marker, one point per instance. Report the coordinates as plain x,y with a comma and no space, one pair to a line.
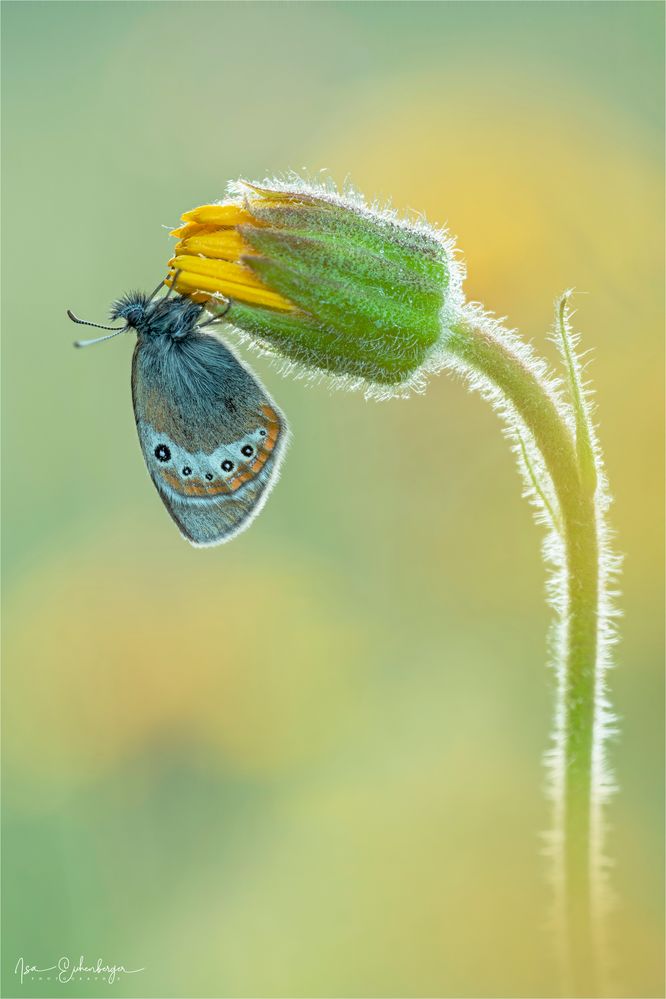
309,763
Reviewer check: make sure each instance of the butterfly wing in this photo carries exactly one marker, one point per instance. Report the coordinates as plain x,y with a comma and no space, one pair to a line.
212,438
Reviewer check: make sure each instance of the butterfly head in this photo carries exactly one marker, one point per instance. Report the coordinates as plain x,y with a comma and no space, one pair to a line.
173,318
133,308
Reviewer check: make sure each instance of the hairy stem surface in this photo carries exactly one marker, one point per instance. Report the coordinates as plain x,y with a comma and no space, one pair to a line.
492,361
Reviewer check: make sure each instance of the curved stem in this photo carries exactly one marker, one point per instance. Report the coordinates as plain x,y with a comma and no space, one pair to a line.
475,346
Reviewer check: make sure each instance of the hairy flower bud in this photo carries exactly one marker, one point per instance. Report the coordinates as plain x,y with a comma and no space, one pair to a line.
323,281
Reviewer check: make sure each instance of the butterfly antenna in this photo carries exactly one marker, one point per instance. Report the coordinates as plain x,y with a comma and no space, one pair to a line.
172,286
159,287
84,322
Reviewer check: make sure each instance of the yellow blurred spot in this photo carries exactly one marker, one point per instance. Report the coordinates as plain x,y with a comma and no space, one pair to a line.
108,692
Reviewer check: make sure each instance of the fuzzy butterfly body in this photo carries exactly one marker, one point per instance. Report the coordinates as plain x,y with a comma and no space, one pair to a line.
212,438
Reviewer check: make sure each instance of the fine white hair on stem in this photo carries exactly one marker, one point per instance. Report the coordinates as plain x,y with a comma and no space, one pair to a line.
570,397
605,720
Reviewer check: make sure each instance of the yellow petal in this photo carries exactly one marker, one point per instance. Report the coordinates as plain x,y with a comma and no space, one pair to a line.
222,269
196,285
218,214
225,244
192,229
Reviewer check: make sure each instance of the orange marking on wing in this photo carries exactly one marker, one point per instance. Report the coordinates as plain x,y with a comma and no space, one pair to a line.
273,427
240,480
270,415
267,445
195,487
263,454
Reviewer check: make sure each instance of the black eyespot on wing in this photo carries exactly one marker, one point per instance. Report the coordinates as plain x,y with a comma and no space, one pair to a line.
187,470
209,476
162,452
247,450
227,465
262,433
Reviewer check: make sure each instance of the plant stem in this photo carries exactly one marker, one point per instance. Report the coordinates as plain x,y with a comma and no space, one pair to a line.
497,363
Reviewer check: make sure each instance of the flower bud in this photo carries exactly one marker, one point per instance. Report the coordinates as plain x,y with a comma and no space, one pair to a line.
323,281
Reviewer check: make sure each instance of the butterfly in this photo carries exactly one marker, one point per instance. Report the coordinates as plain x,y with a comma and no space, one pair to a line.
212,438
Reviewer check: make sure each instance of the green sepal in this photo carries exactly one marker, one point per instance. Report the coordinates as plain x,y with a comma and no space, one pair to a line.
373,325
300,338
344,260
414,248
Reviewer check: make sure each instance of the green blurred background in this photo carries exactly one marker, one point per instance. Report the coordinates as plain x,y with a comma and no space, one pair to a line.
309,763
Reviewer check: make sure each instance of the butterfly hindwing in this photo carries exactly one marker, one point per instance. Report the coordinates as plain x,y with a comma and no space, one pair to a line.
212,438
